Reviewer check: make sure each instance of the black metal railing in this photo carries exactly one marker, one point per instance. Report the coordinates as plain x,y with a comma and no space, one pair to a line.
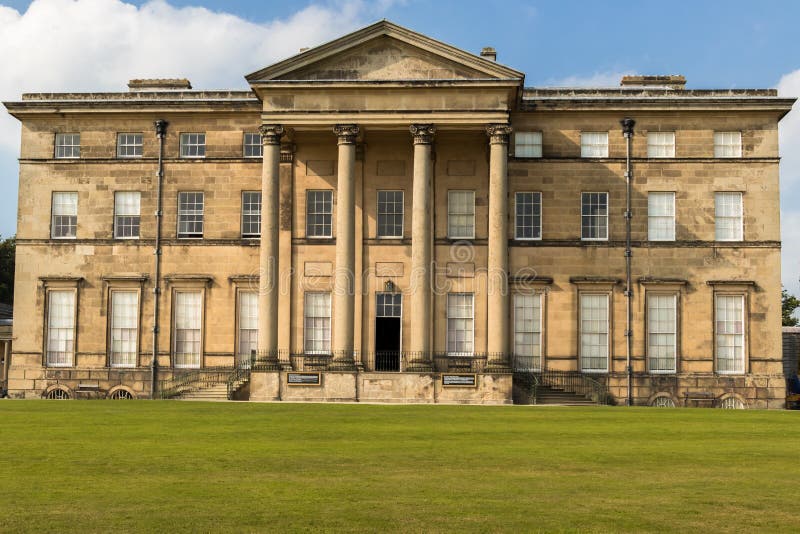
578,383
188,380
460,363
269,360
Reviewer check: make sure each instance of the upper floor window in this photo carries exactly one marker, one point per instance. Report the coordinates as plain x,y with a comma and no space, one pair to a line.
68,145
319,213
252,145
124,328
390,213
129,145
460,323
461,214
660,144
729,333
661,216
727,144
728,216
528,144
594,329
127,214
528,223
193,145
594,216
64,223
662,332
251,214
594,144
60,328
190,214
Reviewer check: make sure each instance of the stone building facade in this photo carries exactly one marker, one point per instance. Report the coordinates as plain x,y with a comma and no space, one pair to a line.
393,213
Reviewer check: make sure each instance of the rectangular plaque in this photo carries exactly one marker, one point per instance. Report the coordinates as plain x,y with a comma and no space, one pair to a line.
459,380
304,379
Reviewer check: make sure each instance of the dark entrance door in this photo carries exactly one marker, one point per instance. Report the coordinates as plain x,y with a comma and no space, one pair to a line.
387,332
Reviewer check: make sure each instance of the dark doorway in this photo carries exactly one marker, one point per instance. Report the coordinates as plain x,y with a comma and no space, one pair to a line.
387,332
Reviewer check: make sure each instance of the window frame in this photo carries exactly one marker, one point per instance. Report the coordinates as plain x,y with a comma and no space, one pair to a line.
244,359
110,345
653,147
73,147
329,215
676,345
323,351
518,145
541,325
744,319
606,216
586,146
608,334
250,235
517,216
717,218
140,145
245,145
651,217
719,148
48,320
116,215
174,328
457,353
184,143
193,235
53,215
450,213
378,213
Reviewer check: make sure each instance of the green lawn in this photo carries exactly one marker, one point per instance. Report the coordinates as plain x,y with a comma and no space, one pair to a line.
182,466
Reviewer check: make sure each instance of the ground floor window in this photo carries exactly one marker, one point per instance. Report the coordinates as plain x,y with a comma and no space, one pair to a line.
187,332
124,328
729,333
594,332
528,330
248,325
317,323
61,328
460,323
662,334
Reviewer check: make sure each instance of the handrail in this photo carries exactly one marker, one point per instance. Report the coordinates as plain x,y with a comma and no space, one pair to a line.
185,381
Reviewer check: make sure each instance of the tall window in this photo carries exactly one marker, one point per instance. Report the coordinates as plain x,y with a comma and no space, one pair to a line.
528,329
127,214
190,214
662,332
248,324
129,145
660,144
188,328
252,145
193,145
661,216
727,144
317,326
528,144
594,144
319,213
64,224
390,214
594,332
251,214
124,328
461,214
594,216
460,323
528,215
728,216
68,145
61,328
729,317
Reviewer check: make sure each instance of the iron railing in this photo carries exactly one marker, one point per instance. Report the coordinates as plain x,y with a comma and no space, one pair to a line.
576,382
188,380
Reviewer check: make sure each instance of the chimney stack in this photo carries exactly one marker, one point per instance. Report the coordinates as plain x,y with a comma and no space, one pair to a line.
159,84
489,53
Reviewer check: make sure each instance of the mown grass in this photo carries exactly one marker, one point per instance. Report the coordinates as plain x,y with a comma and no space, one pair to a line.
202,467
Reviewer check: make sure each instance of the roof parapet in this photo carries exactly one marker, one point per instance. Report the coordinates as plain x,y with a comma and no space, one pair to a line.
159,84
671,81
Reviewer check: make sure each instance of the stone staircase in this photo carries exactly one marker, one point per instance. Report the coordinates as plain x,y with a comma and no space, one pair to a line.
211,392
555,396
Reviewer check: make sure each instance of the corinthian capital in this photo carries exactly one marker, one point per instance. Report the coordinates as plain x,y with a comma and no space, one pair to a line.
498,133
423,133
346,133
271,134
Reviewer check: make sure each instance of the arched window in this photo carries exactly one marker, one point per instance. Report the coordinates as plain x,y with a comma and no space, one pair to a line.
731,403
58,394
663,402
121,394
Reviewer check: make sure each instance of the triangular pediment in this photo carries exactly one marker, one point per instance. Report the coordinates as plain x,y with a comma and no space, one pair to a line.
384,51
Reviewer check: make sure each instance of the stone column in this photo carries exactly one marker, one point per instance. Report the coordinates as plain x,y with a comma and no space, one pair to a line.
497,328
268,286
419,304
344,273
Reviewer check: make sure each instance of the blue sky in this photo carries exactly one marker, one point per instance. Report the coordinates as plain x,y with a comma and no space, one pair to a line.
721,44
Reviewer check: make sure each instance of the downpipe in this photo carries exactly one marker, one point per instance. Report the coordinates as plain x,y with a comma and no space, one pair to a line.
161,133
627,131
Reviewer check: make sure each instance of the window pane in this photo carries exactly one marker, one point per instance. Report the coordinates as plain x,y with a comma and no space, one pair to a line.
594,332
188,325
248,324
528,329
528,215
61,328
251,214
460,323
727,144
661,216
68,145
252,145
461,214
124,328
127,219
662,332
730,333
319,213
661,144
64,223
129,145
728,216
594,216
317,327
528,144
190,214
594,144
390,213
193,145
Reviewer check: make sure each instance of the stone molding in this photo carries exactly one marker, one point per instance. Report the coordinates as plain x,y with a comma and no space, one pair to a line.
498,133
271,134
346,133
423,133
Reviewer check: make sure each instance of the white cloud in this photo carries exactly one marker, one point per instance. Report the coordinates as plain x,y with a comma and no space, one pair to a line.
789,129
598,79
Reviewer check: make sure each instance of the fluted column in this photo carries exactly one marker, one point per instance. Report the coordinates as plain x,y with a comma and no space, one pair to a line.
344,273
421,244
268,272
497,329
